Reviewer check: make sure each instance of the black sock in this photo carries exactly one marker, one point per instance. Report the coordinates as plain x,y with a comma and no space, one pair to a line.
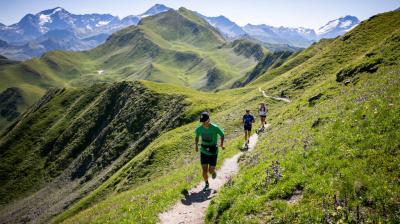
207,182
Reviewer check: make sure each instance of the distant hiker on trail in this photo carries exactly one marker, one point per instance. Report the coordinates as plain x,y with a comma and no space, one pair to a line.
247,121
262,112
209,147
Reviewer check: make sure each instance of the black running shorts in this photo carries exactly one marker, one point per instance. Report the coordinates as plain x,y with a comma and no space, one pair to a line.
247,127
208,159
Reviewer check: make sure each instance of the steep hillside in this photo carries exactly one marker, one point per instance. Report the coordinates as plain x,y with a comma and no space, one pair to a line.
294,60
332,154
268,62
249,49
74,139
35,76
10,100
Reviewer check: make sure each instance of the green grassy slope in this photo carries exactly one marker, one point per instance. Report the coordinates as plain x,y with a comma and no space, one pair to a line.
11,101
332,154
268,62
293,61
192,55
35,76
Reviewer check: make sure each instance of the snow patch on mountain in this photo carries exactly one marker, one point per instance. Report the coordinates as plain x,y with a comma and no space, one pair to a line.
102,23
157,8
329,26
44,19
337,27
58,9
346,24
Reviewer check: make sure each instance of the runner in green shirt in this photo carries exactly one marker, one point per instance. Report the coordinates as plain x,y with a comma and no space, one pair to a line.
209,147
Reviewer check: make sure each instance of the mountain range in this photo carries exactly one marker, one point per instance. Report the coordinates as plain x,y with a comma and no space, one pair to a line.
298,37
28,38
32,26
59,29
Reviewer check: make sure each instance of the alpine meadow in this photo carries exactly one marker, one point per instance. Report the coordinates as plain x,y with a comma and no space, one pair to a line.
100,127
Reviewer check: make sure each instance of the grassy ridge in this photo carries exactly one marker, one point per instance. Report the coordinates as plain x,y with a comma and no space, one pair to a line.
190,56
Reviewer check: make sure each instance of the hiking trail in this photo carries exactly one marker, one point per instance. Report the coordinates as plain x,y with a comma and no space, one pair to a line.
193,207
274,97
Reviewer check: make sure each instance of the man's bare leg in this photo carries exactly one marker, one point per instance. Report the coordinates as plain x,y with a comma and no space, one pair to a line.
205,172
205,176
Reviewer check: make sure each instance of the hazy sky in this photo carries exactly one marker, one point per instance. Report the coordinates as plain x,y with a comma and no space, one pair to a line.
294,13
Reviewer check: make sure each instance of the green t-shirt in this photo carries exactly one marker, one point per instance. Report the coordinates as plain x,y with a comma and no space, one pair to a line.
209,136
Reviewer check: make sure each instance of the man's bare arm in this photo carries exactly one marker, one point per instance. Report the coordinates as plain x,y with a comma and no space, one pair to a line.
222,142
196,143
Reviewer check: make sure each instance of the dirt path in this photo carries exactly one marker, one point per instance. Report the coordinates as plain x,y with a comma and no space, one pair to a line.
274,97
192,208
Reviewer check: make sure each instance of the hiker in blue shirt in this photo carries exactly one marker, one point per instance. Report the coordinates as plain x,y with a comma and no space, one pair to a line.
247,121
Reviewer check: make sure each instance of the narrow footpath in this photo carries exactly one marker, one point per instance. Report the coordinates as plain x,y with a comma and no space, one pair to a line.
274,97
193,207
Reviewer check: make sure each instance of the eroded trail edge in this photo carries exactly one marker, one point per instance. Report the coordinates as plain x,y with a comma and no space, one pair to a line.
193,207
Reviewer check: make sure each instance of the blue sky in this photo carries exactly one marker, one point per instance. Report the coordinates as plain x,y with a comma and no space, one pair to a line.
293,13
